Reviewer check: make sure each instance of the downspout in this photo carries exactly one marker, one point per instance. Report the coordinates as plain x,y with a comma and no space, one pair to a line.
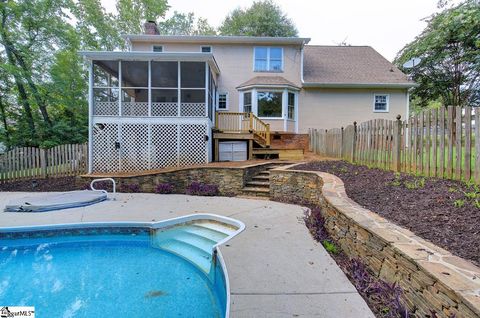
300,92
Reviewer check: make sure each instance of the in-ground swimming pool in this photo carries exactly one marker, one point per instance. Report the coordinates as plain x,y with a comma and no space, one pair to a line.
148,270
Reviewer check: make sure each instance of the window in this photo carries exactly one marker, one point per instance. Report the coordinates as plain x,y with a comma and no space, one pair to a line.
157,48
222,101
291,105
206,49
380,103
268,59
247,102
269,104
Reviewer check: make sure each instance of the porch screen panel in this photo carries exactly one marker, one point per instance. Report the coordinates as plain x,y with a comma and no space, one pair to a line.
134,92
105,156
105,88
193,146
134,148
164,148
164,89
192,87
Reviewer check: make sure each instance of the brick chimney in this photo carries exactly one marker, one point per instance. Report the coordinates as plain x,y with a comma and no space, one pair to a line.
151,28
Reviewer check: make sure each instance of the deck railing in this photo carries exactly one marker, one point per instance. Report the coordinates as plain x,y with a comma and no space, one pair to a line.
230,122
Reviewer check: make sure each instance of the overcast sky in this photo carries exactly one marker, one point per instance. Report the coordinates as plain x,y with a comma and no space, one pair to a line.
386,25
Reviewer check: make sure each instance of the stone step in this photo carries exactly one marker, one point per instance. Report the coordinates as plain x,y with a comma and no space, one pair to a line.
262,192
263,173
261,178
260,184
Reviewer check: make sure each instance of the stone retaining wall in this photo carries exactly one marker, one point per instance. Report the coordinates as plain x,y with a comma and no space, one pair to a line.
432,278
230,180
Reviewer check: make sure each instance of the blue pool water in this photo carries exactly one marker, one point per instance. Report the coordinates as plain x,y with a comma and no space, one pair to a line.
109,275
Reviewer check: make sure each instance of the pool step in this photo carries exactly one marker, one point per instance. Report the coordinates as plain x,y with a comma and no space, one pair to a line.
193,242
218,227
205,232
190,252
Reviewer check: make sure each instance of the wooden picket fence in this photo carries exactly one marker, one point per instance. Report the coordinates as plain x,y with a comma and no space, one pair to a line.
442,143
35,163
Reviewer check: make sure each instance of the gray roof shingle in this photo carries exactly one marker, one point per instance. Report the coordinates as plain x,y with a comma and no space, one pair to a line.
355,65
267,81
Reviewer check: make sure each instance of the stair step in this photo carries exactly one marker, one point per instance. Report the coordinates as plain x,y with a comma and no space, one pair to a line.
256,189
216,227
205,232
189,252
264,172
261,184
261,177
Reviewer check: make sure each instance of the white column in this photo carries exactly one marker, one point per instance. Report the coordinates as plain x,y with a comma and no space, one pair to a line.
285,109
297,97
178,88
149,88
254,102
90,117
120,88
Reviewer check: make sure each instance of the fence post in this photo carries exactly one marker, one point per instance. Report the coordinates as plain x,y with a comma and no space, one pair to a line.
43,163
342,152
397,135
354,141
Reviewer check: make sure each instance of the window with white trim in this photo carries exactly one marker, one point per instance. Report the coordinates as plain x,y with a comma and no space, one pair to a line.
157,48
269,104
291,105
206,49
247,102
222,101
268,59
380,102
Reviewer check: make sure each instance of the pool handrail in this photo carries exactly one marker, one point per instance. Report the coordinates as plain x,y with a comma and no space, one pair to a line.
114,185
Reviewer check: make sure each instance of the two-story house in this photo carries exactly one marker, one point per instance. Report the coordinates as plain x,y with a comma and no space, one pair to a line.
186,100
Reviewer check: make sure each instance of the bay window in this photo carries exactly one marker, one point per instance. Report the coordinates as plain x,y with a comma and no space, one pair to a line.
269,104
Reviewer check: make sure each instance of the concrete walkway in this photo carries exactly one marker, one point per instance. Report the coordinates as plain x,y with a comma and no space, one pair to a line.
276,269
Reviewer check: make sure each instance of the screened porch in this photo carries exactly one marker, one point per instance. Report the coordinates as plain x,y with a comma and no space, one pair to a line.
153,88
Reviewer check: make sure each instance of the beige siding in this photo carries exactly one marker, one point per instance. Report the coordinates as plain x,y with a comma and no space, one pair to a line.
236,64
330,108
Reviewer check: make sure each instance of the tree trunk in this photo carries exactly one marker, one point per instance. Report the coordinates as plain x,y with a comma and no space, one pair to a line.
33,87
21,88
3,113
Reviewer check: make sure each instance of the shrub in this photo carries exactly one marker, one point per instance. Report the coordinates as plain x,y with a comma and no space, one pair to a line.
130,188
198,188
330,247
164,188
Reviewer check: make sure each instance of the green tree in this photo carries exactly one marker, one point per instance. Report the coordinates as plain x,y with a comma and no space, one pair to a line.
132,14
185,24
449,71
263,18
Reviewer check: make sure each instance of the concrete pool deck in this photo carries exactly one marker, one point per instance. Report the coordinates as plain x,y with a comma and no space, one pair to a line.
275,267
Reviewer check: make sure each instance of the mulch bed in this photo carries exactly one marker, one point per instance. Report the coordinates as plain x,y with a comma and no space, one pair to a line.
42,185
444,212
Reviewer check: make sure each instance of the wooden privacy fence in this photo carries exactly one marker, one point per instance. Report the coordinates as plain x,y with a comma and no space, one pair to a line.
29,162
442,143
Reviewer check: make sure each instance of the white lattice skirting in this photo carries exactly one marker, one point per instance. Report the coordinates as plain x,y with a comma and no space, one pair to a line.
139,109
145,146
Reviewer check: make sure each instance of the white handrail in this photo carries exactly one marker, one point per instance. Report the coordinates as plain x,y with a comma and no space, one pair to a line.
114,185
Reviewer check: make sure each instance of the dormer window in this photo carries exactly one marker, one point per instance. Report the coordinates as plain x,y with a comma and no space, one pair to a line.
157,48
268,59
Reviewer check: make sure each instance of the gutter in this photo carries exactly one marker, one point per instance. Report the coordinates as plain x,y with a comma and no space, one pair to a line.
358,85
153,56
214,39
